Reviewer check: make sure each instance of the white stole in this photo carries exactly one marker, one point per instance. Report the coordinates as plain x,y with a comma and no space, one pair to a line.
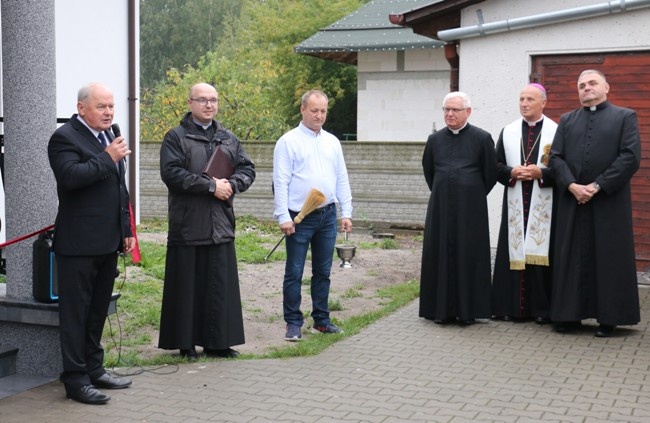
531,247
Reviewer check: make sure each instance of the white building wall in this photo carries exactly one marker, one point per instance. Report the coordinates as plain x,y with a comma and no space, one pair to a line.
92,46
400,94
385,61
494,68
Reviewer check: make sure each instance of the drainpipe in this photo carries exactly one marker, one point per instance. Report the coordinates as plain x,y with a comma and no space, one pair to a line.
134,144
451,54
576,13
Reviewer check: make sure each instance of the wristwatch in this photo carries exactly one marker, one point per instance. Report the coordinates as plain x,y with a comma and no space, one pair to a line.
596,186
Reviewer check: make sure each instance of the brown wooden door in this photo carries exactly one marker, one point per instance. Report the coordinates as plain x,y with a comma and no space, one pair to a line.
628,75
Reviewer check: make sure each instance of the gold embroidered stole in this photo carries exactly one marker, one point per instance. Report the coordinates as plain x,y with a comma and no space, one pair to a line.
531,247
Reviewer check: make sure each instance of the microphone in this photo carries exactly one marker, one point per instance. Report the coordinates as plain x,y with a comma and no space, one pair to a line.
116,130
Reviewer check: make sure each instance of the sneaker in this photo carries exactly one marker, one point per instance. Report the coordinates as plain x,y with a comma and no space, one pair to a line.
329,328
293,333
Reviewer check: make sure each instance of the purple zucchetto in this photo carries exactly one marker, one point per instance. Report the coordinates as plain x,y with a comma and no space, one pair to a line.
538,86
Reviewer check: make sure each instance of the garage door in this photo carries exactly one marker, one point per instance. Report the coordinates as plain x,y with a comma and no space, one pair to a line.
628,75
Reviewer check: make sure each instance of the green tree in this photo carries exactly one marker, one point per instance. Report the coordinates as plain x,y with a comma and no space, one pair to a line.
298,73
259,77
175,33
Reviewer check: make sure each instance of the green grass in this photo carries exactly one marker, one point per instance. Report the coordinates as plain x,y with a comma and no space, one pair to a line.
335,305
139,306
352,293
389,244
395,296
152,259
255,239
365,245
140,303
153,225
384,243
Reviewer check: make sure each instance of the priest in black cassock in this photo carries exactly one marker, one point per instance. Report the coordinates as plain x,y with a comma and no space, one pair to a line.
595,153
521,285
201,303
460,168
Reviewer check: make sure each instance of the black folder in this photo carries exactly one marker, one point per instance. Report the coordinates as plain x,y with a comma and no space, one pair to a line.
219,167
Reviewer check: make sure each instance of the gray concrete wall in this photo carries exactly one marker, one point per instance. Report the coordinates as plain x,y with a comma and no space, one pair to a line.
388,187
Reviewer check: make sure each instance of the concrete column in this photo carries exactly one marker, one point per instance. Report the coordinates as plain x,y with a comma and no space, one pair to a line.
29,76
29,94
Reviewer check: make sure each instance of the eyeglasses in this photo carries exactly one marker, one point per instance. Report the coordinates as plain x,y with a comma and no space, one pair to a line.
454,111
205,101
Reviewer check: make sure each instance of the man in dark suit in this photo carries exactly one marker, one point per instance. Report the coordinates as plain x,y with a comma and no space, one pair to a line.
91,228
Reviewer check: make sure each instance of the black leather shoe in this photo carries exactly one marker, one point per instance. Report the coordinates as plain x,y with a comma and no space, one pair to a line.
467,322
445,321
566,327
227,353
107,381
87,394
542,320
605,331
190,354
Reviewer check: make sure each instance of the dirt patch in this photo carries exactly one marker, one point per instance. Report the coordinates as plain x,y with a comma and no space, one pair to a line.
353,289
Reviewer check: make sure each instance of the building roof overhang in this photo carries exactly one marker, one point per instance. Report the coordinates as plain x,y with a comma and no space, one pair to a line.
367,29
430,18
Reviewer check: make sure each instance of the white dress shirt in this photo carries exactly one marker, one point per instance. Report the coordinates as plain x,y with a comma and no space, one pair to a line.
302,160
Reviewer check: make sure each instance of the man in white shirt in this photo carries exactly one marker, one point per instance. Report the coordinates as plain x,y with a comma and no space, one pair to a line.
309,157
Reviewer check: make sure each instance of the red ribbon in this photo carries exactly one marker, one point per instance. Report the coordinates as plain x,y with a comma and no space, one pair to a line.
135,254
15,240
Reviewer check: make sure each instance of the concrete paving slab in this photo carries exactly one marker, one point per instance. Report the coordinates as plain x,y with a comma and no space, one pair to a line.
402,368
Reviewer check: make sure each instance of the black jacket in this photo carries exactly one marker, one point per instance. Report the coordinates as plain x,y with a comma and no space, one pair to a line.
196,216
93,215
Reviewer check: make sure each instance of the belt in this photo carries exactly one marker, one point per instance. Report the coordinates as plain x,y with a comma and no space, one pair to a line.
320,209
324,208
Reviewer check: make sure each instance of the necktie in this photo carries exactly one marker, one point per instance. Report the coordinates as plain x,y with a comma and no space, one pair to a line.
102,139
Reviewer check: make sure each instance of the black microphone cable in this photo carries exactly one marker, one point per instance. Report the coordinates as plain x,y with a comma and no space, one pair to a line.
133,370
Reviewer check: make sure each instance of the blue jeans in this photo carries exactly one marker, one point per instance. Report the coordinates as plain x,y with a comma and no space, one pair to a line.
319,230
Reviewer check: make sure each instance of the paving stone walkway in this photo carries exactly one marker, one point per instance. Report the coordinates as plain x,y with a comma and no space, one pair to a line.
400,369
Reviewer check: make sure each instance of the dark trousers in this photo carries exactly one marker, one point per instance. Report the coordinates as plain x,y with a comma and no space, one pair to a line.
317,230
85,289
